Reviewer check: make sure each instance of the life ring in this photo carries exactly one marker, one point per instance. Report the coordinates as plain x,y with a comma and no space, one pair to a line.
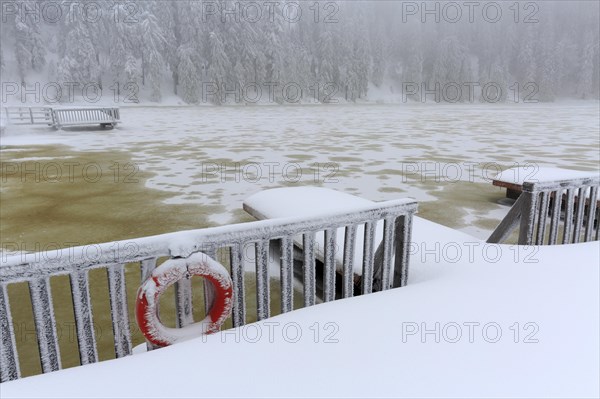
173,270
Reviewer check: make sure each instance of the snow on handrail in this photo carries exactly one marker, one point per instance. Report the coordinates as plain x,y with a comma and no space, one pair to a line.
37,268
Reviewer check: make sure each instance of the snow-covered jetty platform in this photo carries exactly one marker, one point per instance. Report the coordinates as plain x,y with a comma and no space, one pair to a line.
63,116
347,238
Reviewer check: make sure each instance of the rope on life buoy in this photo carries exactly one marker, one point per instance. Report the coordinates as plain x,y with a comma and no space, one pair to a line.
165,275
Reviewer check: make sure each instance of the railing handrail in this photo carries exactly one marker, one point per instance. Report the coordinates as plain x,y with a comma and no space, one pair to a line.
552,185
22,267
83,108
26,109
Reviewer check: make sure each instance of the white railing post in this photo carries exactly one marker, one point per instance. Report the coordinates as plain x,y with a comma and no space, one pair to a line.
528,215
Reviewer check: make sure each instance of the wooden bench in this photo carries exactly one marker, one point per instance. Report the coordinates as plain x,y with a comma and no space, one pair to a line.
105,117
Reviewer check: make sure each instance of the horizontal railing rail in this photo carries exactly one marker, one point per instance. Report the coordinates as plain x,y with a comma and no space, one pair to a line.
548,209
390,257
29,116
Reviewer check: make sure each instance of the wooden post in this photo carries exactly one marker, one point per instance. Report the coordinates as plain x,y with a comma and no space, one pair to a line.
402,234
527,215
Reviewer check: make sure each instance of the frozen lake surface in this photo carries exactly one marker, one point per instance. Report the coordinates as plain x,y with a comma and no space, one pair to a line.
184,168
442,155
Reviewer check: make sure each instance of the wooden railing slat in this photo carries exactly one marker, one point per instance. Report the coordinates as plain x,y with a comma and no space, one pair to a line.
209,289
45,324
542,217
263,293
287,274
309,268
118,308
555,218
329,269
591,214
368,258
348,261
568,221
579,214
388,243
84,321
527,217
402,234
9,360
184,309
237,276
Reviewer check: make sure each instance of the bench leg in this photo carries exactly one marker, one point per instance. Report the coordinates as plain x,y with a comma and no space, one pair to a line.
513,194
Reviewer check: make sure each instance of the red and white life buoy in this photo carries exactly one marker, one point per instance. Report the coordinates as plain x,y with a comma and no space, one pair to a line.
173,270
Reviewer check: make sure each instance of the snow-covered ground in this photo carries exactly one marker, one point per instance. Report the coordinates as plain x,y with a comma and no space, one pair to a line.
439,154
500,322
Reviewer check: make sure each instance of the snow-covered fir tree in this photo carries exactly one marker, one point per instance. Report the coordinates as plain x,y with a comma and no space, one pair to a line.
182,46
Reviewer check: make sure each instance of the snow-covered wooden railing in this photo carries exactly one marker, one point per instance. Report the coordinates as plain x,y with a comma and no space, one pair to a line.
37,269
539,208
59,117
105,116
29,116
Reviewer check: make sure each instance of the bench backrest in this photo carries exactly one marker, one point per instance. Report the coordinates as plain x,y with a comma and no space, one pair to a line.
75,116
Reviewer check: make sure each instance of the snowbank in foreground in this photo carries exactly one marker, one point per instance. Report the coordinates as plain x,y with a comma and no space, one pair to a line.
375,346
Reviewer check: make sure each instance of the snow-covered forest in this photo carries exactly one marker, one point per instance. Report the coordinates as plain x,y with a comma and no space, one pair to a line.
216,51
